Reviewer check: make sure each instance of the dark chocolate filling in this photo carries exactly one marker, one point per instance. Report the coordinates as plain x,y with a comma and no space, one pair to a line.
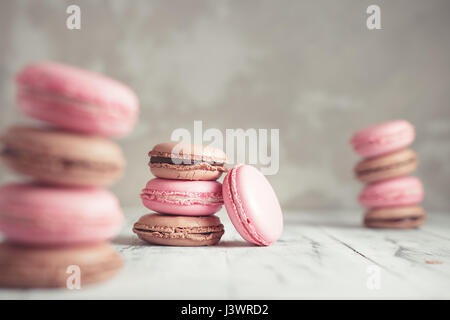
392,166
394,220
155,231
8,152
187,162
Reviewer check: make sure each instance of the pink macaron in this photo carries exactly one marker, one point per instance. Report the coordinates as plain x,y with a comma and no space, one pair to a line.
395,192
383,138
183,197
252,205
42,215
76,99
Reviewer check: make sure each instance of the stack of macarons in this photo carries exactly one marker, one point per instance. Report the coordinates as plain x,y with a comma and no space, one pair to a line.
391,195
63,215
185,195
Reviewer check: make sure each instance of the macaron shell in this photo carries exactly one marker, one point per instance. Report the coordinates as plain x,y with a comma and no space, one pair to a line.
61,157
395,213
178,209
405,217
63,143
179,230
59,234
173,222
179,172
42,215
199,241
391,193
183,151
392,165
383,138
31,267
404,224
182,197
188,151
252,205
79,117
76,99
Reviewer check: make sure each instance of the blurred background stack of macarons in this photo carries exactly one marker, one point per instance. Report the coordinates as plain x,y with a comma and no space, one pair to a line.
185,195
391,195
60,220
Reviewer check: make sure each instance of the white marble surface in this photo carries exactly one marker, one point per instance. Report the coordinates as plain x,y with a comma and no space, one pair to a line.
320,255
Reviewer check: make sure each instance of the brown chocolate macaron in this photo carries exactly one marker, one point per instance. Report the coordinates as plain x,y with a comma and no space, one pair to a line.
391,165
407,217
172,160
61,157
172,230
25,267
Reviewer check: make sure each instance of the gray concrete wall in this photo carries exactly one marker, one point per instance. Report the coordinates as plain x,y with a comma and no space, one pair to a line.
310,68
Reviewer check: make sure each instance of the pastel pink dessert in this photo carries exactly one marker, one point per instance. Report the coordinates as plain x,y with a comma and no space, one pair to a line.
183,197
403,191
383,138
41,215
252,205
76,99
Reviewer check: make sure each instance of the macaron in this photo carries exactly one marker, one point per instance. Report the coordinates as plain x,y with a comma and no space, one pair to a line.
42,215
406,217
179,230
61,157
252,205
76,99
383,138
172,160
395,164
25,267
402,191
183,197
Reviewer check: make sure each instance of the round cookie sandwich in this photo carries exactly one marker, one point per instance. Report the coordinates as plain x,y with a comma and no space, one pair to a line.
62,158
179,230
172,160
395,164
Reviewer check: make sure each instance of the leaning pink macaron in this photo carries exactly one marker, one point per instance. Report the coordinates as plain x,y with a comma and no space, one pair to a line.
41,215
76,99
183,197
395,192
252,205
383,138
